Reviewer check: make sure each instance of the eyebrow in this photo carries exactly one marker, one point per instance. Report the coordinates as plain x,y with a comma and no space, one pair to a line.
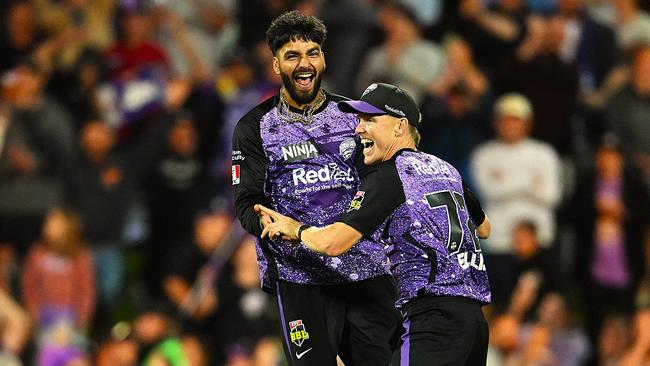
293,52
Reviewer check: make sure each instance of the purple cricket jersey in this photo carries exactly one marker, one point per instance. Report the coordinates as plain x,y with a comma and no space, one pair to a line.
426,226
311,176
438,220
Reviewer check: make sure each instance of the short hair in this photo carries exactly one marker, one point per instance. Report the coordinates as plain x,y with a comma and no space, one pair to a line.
415,134
294,26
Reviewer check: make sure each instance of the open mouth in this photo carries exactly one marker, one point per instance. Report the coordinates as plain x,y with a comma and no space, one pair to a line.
367,145
304,79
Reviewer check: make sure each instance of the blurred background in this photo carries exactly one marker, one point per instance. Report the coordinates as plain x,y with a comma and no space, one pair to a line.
118,243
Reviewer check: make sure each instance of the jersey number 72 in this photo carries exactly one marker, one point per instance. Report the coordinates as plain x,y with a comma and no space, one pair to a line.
452,201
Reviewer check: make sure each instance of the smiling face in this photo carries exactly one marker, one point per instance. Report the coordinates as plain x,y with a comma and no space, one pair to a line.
301,65
379,137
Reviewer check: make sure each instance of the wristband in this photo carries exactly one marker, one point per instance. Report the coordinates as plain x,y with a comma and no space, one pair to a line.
301,229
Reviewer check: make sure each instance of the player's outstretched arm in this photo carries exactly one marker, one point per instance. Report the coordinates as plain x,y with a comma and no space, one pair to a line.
332,240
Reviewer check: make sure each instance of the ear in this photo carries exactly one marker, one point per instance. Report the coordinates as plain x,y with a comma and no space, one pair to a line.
398,128
276,65
323,56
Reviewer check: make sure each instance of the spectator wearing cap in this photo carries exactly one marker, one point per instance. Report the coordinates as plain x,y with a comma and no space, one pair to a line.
519,179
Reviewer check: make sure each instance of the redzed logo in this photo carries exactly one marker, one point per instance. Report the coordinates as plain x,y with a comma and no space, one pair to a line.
235,174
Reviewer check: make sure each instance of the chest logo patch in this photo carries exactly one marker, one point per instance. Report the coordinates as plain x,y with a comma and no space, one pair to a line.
347,148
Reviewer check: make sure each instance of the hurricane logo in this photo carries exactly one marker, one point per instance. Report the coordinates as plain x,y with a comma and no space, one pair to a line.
347,148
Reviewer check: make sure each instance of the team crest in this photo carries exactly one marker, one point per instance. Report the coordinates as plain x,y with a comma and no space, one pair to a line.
347,148
356,201
298,332
369,89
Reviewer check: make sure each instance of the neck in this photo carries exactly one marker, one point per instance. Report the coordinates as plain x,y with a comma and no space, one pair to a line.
399,144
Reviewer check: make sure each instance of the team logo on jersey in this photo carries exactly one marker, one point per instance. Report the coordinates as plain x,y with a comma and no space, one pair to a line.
298,332
369,89
347,148
236,174
300,151
356,201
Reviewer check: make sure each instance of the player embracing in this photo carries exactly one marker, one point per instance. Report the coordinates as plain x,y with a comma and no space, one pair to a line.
418,206
298,154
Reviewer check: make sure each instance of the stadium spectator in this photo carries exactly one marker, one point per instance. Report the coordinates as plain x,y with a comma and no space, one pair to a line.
601,72
404,58
456,114
102,183
554,339
208,27
177,187
21,34
494,33
512,188
628,112
548,81
350,25
609,222
37,152
59,289
247,318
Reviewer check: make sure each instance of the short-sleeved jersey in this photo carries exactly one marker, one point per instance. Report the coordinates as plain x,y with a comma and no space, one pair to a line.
418,206
307,172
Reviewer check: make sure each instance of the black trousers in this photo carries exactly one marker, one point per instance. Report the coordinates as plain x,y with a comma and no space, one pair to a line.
442,331
356,321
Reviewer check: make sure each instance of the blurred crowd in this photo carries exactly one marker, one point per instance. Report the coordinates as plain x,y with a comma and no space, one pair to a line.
118,242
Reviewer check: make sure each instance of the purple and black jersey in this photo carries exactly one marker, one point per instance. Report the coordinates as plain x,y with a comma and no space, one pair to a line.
307,172
418,206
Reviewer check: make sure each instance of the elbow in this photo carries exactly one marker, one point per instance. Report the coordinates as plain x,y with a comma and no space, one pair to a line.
483,230
333,250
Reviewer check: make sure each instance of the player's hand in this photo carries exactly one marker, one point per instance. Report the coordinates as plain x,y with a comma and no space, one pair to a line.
282,226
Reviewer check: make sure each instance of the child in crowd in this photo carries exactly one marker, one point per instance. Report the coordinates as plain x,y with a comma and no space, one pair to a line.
59,289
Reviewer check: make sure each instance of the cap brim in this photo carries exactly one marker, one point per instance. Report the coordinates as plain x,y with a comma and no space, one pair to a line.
359,106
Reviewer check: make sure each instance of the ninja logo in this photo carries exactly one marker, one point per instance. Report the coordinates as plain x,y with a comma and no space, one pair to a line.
298,332
300,151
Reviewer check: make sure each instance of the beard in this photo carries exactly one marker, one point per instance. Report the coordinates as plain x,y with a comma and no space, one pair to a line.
299,96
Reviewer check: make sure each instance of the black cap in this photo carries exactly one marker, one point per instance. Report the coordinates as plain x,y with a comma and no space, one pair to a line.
380,98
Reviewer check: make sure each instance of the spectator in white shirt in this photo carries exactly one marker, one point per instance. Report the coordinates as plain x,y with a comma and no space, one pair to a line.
519,179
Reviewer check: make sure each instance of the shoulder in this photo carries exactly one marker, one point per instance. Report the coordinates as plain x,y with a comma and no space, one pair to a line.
384,173
251,120
542,147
